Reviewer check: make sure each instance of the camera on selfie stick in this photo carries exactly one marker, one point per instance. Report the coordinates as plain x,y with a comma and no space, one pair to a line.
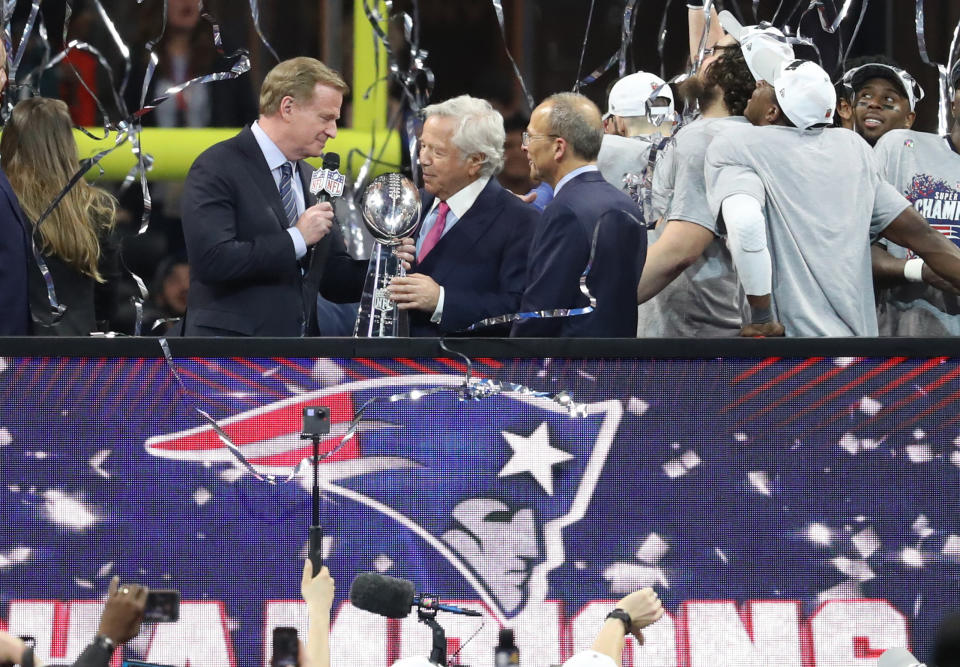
316,424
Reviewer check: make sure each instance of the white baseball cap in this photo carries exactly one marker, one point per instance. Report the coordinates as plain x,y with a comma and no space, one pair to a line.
805,94
631,95
855,79
764,47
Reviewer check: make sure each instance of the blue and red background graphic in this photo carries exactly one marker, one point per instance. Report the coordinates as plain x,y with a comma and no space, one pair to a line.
788,511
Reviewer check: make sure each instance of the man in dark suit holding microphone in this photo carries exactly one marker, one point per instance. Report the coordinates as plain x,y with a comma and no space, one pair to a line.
258,242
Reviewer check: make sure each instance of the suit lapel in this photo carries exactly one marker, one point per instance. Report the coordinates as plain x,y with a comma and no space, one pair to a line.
305,171
260,172
445,256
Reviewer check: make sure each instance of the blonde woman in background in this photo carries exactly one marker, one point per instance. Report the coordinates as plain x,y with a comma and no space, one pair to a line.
39,155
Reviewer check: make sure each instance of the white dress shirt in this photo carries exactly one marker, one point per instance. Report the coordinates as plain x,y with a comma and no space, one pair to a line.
572,175
459,204
275,160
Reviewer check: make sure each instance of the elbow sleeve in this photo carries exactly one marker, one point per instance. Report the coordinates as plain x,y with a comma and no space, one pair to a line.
747,239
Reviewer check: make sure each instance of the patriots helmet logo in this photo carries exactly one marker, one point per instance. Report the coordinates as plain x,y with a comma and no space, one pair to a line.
490,485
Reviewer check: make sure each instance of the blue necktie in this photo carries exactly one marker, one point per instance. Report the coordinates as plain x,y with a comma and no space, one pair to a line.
287,195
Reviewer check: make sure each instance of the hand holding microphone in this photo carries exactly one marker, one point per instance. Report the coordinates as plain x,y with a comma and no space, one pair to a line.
315,222
326,183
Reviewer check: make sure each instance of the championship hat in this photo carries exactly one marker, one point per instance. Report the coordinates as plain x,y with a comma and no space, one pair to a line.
805,94
856,78
631,95
764,47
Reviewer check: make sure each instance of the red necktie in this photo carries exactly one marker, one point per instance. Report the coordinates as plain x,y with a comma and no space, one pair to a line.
433,236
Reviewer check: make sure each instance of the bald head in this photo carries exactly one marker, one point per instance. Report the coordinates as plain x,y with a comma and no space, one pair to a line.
576,120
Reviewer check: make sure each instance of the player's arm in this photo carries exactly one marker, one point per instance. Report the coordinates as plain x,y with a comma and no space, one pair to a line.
680,244
942,257
696,23
890,271
747,239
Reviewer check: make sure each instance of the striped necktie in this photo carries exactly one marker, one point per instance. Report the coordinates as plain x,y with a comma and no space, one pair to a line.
287,195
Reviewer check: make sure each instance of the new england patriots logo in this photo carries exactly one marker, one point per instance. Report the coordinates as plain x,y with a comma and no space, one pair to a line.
490,485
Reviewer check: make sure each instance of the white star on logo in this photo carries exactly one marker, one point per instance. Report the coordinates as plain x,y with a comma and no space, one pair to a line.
533,454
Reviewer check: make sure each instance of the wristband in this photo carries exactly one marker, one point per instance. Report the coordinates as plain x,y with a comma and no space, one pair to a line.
105,643
694,4
623,616
913,270
27,659
761,315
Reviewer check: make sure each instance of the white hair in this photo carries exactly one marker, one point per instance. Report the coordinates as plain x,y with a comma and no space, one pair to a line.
479,129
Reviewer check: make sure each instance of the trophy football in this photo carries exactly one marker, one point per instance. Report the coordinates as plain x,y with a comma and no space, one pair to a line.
391,211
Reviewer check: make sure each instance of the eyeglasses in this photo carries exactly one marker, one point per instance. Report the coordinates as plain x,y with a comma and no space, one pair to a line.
526,137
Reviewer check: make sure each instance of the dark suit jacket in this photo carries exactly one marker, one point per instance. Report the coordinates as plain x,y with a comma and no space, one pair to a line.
87,302
481,263
15,256
244,276
561,250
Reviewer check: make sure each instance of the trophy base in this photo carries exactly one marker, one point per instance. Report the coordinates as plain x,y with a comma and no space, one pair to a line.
379,317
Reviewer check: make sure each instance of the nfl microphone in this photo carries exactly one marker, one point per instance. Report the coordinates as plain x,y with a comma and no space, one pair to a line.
327,182
898,657
394,598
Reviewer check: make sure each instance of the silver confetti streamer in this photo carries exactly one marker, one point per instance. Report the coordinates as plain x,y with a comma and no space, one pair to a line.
626,33
24,39
416,84
121,47
498,8
953,65
255,15
583,51
944,110
825,23
557,312
845,53
469,390
662,40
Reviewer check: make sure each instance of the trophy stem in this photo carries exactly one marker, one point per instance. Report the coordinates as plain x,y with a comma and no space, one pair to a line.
379,316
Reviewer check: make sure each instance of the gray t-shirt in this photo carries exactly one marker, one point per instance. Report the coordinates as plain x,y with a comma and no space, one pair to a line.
624,162
927,171
706,299
825,202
